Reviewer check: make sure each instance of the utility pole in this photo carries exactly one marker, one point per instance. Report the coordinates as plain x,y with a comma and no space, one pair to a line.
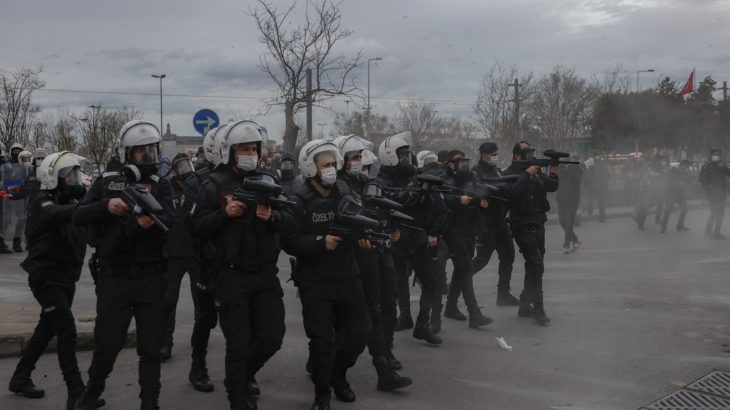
724,91
309,104
322,124
517,86
160,76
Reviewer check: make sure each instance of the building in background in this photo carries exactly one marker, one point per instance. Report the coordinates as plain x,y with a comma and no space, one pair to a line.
173,144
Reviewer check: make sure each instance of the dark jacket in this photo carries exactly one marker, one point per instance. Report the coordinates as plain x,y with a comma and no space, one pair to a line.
56,246
528,203
712,179
180,243
496,212
570,179
464,218
314,214
245,243
121,243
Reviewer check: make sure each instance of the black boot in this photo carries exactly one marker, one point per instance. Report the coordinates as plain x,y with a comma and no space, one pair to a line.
505,298
388,379
253,387
405,321
16,245
3,247
341,387
540,316
525,309
149,404
75,387
422,331
21,383
393,361
88,400
436,319
452,311
321,402
200,380
166,352
477,319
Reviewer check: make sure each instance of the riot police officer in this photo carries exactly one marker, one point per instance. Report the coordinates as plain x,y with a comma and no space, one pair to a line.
528,213
56,250
247,291
326,274
130,258
379,285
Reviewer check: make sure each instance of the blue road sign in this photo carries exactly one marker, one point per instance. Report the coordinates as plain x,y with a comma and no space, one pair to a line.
204,120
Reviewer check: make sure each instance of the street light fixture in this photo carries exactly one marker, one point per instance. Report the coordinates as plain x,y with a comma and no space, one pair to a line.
160,76
367,127
651,70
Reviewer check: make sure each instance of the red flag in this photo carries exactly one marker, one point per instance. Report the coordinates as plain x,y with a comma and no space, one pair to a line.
689,86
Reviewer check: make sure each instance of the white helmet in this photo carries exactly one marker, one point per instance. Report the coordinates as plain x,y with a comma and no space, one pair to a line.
241,132
208,143
138,133
58,165
368,158
24,155
217,138
17,145
307,163
387,151
350,144
426,157
40,153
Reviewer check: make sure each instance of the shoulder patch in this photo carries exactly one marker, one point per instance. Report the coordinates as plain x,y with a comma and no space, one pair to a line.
109,174
155,178
45,204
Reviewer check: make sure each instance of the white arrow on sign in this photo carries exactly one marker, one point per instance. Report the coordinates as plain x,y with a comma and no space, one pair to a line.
207,121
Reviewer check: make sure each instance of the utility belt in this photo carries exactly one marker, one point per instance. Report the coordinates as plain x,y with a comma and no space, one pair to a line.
131,271
244,269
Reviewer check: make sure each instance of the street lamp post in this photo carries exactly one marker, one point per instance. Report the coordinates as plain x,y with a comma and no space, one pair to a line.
367,122
651,70
322,124
160,76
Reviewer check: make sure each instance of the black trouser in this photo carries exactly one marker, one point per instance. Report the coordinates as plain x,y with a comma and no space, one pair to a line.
118,299
643,201
598,195
668,207
388,297
462,248
56,319
531,241
328,308
659,200
566,216
419,258
717,213
403,273
251,313
440,256
367,261
206,317
176,269
496,237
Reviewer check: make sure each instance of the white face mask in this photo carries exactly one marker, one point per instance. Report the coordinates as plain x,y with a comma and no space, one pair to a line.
493,160
328,176
356,166
715,158
247,163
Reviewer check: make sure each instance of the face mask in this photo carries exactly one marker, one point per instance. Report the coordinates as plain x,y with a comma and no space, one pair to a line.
715,158
493,161
247,163
406,167
356,166
328,176
287,173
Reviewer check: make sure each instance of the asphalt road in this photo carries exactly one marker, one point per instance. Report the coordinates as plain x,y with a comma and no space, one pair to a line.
635,315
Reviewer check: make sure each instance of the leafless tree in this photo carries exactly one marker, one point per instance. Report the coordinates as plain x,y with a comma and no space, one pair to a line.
614,80
495,105
291,50
17,111
99,128
420,118
561,107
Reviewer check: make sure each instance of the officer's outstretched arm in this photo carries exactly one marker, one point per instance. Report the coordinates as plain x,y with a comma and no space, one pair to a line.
207,216
302,243
92,208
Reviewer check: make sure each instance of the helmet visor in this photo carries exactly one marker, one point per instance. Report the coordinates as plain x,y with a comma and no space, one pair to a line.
71,176
145,155
182,167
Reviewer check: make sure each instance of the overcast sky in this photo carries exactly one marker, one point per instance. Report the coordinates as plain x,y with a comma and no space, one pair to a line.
431,49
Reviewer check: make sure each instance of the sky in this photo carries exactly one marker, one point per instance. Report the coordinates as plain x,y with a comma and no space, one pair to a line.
432,50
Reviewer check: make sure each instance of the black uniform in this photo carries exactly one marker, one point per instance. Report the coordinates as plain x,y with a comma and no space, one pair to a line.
180,251
528,213
247,291
331,293
674,194
568,197
597,177
131,282
56,250
712,178
494,234
440,256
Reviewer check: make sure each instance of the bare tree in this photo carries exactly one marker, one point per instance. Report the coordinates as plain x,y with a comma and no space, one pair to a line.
17,111
495,105
561,106
420,118
615,80
99,128
290,51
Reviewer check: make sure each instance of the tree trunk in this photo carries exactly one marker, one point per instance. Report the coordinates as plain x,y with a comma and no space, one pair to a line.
291,133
